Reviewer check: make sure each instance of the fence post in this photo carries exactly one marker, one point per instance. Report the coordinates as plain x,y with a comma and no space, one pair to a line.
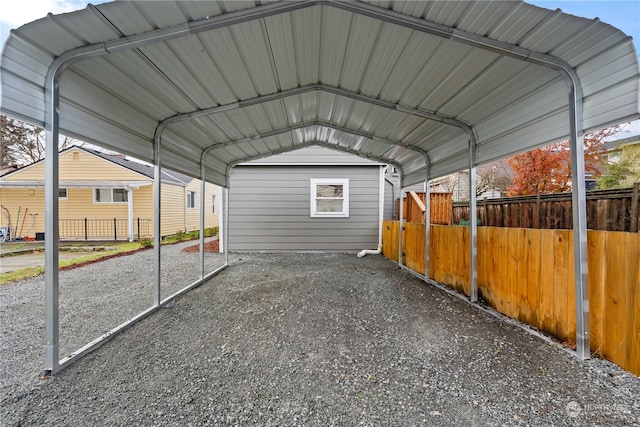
539,210
115,229
86,229
485,220
138,228
635,201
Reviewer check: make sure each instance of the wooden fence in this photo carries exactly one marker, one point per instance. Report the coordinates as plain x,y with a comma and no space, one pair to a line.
612,210
440,208
527,274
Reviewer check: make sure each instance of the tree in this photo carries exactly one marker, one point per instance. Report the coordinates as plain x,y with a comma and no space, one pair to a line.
547,170
619,173
11,135
24,144
493,177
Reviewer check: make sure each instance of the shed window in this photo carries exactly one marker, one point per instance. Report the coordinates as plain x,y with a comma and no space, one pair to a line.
111,195
191,199
63,194
330,198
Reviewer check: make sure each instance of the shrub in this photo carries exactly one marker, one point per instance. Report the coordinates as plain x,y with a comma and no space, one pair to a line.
146,242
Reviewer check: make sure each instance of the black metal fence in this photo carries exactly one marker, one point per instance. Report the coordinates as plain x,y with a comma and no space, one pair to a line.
103,229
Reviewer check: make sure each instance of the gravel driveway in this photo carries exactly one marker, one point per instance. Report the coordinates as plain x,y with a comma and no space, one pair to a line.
299,339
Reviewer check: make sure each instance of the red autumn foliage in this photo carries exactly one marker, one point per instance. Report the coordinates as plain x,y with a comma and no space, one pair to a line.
547,170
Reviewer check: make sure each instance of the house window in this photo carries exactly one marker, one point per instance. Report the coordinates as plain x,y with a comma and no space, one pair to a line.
213,204
611,157
330,198
110,195
63,194
191,199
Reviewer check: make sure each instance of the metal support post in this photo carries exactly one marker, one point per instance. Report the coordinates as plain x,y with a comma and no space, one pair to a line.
473,226
51,226
225,220
580,268
202,200
157,178
400,220
427,227
381,197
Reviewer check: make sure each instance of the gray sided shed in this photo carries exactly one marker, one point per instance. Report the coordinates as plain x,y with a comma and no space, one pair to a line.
270,203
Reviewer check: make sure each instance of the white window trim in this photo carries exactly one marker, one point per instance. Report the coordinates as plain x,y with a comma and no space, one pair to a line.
66,191
314,197
189,193
111,202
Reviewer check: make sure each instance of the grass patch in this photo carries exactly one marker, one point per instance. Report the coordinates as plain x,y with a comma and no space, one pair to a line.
182,236
27,273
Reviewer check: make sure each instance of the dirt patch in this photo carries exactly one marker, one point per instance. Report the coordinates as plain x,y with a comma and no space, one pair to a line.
212,246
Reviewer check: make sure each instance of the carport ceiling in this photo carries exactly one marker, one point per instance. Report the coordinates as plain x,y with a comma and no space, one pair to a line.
408,83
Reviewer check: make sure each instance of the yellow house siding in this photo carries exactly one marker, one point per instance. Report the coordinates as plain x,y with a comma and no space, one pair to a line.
172,209
193,214
78,165
632,152
211,219
80,205
30,200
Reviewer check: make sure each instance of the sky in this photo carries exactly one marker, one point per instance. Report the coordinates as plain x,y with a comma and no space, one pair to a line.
623,14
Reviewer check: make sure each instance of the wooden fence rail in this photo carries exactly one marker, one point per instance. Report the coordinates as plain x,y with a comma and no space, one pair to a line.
527,274
612,210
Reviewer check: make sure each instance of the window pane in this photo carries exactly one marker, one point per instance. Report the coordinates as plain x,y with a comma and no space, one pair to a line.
329,205
103,195
62,193
119,195
329,190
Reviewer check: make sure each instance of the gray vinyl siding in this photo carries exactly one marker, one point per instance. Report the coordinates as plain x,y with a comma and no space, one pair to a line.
313,156
390,195
269,209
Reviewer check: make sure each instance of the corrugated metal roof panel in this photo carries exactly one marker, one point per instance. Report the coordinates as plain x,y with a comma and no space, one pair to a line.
377,63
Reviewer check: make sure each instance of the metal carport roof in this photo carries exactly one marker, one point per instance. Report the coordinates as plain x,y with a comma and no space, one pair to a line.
431,87
399,79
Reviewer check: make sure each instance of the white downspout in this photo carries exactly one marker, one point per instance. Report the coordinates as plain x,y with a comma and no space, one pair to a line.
362,253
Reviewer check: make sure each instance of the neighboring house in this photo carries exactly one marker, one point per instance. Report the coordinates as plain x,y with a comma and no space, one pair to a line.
627,149
312,199
103,196
491,178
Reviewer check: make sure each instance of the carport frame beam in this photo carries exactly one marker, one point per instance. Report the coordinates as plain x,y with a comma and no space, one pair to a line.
51,122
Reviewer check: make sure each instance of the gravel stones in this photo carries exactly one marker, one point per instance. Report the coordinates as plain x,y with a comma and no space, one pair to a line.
300,339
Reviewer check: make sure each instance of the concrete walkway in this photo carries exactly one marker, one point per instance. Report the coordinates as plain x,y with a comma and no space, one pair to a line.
32,259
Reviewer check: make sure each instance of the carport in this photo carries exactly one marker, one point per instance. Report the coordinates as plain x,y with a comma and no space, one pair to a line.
429,87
